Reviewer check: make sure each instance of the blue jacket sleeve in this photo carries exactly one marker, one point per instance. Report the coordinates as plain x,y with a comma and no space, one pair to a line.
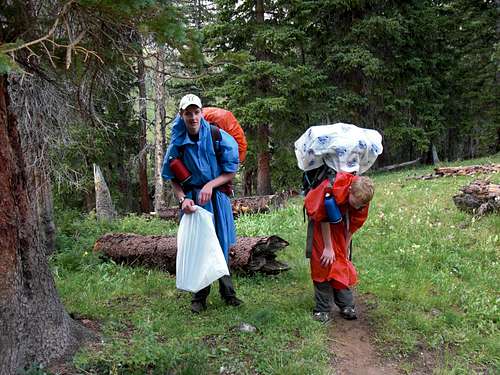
229,159
172,153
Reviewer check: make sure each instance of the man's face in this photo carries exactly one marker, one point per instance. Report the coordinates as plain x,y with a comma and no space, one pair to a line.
192,117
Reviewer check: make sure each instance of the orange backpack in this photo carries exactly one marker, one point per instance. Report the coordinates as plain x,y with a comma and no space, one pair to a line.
226,121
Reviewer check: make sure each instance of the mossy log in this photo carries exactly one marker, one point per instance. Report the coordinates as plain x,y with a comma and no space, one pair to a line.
479,197
248,255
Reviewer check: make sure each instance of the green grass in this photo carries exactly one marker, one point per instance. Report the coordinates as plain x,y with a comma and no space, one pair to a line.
433,271
430,271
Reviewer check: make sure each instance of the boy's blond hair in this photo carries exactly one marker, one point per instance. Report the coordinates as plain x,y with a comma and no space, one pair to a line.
363,188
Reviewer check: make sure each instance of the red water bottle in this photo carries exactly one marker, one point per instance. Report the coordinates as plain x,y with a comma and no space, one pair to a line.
181,173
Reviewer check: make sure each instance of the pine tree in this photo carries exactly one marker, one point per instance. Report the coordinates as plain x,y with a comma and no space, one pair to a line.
269,84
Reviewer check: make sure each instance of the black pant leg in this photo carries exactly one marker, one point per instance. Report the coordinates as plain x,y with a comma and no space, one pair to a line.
201,295
343,298
226,288
323,295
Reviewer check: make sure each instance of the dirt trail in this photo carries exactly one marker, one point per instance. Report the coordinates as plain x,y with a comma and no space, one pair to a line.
352,347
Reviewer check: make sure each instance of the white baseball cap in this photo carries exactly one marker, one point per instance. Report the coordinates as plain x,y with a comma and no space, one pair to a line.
189,99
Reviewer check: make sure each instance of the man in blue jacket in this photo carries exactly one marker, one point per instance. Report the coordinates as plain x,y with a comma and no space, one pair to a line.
210,169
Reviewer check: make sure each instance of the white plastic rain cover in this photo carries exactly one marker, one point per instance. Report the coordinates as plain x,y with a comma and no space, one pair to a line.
342,147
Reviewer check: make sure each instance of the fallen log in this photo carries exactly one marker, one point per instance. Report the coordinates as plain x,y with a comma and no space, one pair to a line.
242,205
259,203
400,165
249,254
479,197
461,171
170,213
467,170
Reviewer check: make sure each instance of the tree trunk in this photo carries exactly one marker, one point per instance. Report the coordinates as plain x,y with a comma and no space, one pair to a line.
249,254
159,201
103,204
263,155
45,211
263,162
34,327
497,75
89,199
26,98
497,145
259,11
452,143
143,121
127,197
248,180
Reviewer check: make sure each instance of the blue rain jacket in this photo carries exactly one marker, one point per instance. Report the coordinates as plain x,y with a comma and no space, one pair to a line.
200,159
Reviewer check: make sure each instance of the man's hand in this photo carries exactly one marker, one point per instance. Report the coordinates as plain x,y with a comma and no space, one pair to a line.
205,194
187,206
328,257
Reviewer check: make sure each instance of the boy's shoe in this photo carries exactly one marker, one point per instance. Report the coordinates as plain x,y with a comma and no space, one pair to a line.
348,313
233,301
322,316
197,307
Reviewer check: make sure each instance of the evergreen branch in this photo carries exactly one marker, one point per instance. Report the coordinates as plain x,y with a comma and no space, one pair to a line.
46,36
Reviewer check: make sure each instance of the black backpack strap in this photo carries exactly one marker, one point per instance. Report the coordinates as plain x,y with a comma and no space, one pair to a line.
216,138
227,188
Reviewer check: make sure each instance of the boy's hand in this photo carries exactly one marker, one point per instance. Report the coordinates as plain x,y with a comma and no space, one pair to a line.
328,257
205,194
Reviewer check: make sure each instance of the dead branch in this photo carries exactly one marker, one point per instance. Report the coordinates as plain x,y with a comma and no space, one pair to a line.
460,171
45,37
400,165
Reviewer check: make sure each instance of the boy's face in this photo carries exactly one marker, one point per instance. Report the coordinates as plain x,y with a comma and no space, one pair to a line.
192,116
355,202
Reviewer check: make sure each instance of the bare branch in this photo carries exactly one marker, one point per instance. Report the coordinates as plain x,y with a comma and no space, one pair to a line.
46,36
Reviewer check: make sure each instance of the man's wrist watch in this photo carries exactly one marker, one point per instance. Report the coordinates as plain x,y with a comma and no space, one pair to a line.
181,201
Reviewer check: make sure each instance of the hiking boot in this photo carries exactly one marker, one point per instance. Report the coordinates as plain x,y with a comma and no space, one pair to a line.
197,307
348,313
233,301
322,316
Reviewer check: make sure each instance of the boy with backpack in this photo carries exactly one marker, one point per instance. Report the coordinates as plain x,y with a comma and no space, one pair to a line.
208,164
329,240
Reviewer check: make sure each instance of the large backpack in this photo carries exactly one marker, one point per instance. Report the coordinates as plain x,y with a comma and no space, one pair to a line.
312,178
226,121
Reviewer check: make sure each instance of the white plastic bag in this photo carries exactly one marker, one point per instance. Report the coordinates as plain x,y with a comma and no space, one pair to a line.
342,147
200,260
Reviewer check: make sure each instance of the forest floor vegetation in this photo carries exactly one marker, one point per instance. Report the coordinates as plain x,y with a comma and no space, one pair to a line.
428,295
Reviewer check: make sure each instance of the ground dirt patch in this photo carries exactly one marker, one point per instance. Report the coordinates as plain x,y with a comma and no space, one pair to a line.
354,351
